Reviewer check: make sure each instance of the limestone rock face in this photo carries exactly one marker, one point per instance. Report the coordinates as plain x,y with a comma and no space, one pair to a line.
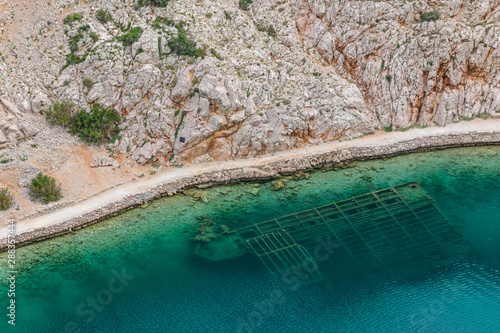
278,76
14,124
411,69
3,138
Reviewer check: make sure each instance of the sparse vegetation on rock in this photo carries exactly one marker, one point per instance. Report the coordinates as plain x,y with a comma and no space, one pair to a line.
157,3
159,21
60,113
71,18
245,4
271,32
182,45
258,80
131,37
45,189
103,16
215,54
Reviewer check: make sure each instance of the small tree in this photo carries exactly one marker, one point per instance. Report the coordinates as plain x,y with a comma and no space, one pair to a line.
182,45
6,199
44,188
60,113
430,16
103,16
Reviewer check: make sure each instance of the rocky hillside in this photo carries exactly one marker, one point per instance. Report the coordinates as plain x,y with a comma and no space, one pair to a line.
203,80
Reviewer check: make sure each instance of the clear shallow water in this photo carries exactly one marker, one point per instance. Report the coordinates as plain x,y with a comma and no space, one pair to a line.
140,265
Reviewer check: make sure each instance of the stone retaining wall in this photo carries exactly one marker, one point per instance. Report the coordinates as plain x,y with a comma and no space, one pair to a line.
260,172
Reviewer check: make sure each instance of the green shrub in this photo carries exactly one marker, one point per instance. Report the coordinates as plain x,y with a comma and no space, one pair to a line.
271,32
180,26
85,27
60,113
484,115
131,37
227,15
94,36
97,126
103,16
215,54
182,45
388,128
44,188
430,16
404,129
156,3
388,78
160,54
6,199
73,47
245,4
73,42
157,24
72,59
88,83
73,18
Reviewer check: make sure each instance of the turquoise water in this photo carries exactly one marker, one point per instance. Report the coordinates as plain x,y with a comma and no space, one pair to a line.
137,273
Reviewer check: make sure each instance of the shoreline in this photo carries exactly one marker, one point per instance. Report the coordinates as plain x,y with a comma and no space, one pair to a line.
120,198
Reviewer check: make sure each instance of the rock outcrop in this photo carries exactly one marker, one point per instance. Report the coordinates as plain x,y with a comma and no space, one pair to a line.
14,124
103,161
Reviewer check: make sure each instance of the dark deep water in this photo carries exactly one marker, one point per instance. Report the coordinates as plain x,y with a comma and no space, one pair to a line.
137,273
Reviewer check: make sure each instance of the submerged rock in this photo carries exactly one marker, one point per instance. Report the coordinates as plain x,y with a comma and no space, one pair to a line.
203,197
255,191
300,176
278,185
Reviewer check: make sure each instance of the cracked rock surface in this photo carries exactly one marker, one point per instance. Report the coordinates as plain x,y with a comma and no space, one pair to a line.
411,69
